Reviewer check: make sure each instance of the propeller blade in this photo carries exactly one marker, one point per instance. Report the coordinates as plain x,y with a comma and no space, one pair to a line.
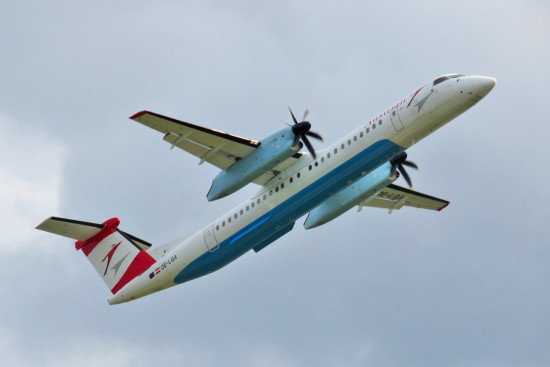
294,118
313,134
399,158
410,164
309,146
284,122
405,175
306,112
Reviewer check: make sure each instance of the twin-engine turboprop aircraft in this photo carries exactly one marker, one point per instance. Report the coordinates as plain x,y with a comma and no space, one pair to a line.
357,170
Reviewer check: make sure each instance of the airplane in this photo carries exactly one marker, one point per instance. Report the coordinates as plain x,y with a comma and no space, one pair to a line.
357,170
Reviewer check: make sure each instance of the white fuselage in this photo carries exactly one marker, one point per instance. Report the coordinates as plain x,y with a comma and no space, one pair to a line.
304,185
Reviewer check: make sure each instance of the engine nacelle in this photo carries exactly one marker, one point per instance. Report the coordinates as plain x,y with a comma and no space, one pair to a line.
273,150
352,195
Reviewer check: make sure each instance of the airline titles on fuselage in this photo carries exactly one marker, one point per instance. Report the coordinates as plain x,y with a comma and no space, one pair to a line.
375,119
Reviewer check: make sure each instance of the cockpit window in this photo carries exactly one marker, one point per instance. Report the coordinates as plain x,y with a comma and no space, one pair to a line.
446,77
440,79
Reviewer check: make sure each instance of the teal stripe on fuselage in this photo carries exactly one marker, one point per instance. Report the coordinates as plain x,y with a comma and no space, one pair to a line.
290,210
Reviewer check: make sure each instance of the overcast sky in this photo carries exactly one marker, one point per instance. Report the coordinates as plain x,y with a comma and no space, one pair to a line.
468,286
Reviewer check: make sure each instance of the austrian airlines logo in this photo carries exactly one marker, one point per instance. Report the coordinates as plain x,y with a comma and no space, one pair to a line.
420,103
109,257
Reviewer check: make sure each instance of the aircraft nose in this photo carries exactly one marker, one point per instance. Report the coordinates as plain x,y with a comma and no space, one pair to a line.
485,85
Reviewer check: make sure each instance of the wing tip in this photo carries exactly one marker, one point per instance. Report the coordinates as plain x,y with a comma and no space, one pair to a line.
138,115
444,206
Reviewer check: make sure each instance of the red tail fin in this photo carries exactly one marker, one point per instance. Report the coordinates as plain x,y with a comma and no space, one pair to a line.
116,256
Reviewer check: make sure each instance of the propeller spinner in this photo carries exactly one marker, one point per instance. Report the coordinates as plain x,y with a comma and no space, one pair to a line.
301,131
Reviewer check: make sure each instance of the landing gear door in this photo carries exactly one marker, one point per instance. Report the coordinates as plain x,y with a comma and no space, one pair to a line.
396,120
209,239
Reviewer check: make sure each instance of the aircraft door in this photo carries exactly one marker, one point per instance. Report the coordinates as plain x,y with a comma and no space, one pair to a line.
396,120
209,239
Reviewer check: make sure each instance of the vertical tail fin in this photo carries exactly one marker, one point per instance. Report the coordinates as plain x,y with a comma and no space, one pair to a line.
117,257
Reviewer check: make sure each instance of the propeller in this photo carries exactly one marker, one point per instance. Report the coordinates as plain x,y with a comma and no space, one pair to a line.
301,131
398,162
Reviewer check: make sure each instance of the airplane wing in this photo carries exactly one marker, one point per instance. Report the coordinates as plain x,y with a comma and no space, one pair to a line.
213,146
395,197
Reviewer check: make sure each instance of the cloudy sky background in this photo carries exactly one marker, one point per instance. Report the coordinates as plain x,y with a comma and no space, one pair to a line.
465,287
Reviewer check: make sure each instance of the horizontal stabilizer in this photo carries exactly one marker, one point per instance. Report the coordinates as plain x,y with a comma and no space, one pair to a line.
74,229
81,231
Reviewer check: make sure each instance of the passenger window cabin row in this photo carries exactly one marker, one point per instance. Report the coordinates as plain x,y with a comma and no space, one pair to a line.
297,175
